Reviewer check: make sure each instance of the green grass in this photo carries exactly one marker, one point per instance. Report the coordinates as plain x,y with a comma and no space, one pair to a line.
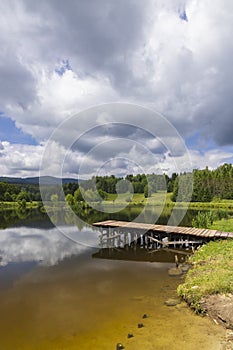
222,204
159,198
15,205
223,225
163,198
211,273
124,197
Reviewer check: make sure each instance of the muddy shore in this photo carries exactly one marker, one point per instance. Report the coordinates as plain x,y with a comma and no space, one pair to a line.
220,308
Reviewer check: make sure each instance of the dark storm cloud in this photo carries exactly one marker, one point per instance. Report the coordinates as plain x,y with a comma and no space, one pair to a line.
112,131
17,84
95,35
217,119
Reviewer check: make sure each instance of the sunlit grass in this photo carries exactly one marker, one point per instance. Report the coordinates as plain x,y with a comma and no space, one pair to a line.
221,204
15,205
164,198
223,225
158,198
211,272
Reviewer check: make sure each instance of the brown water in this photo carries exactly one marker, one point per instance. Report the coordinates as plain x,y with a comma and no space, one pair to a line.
68,300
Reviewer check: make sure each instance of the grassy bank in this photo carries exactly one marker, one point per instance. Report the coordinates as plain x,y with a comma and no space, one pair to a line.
223,225
221,204
16,205
211,273
164,198
158,198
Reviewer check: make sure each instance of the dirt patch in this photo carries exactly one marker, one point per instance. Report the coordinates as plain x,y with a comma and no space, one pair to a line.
220,308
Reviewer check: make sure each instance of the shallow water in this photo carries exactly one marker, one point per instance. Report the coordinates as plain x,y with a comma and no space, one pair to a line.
55,295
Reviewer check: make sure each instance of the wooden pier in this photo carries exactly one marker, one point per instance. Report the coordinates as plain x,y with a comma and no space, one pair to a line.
123,234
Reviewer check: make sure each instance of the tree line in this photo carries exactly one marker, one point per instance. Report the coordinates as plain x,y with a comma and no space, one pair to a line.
10,192
205,185
197,186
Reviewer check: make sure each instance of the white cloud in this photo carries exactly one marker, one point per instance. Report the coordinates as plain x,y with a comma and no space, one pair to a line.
124,50
199,160
212,158
59,97
24,160
20,160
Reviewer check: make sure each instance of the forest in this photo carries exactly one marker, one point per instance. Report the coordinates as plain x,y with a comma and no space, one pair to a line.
207,185
199,186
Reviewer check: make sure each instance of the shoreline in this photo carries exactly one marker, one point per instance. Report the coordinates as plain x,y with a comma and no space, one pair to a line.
208,285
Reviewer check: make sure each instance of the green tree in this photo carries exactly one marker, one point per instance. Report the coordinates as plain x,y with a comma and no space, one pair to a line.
78,195
92,196
7,197
23,195
146,192
182,191
54,198
70,199
103,194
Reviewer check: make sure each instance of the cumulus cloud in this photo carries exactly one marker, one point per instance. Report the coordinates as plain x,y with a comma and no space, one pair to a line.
20,160
24,160
172,56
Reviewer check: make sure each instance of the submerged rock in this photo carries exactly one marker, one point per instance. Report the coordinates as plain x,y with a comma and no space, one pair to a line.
138,298
175,271
172,302
185,267
181,306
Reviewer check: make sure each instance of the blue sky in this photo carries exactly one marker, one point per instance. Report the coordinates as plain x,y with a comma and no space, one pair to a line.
173,57
9,132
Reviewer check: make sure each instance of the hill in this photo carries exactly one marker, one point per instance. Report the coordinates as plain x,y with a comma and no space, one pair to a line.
45,180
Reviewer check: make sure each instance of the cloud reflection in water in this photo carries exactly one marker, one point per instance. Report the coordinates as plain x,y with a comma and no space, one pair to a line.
47,247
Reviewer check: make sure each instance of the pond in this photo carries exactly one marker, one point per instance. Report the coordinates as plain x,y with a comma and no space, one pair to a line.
56,294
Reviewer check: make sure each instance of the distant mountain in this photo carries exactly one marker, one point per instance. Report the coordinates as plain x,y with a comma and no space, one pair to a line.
45,180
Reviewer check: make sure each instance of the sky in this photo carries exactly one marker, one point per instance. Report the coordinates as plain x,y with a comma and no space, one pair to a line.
170,60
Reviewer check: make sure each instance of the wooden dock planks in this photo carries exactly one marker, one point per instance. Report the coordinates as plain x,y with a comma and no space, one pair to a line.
190,231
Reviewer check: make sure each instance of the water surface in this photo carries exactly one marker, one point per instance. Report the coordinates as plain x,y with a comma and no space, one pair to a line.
56,295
